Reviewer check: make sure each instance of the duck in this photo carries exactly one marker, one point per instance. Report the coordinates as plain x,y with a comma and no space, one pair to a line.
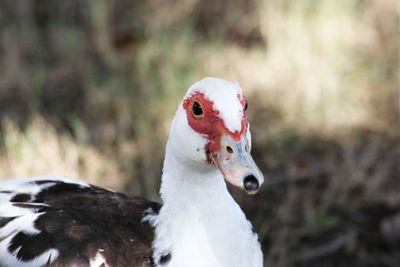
62,221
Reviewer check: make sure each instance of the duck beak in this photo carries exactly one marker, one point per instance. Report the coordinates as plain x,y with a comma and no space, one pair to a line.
236,164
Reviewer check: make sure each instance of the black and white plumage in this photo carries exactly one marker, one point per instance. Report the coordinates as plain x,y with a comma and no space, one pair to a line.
66,222
57,221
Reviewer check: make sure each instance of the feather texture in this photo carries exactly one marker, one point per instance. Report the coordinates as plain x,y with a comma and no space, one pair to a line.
65,223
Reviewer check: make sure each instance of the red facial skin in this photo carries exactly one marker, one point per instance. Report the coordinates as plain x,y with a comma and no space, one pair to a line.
211,124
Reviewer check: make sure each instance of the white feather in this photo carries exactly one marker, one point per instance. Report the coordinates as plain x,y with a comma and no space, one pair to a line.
20,224
150,216
224,94
98,260
8,210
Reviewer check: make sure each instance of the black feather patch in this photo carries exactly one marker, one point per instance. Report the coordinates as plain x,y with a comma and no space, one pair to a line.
21,198
38,244
165,258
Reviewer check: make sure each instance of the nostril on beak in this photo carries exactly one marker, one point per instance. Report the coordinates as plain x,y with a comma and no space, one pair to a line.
229,149
250,183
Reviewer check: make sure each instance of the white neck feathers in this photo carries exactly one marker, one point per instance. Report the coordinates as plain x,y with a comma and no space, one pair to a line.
200,224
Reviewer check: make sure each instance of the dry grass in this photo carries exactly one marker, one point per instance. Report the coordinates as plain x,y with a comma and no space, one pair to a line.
40,150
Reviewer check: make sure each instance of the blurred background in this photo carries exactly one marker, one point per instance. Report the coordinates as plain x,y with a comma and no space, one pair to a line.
88,89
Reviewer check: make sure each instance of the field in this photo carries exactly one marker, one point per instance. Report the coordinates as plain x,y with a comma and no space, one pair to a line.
88,89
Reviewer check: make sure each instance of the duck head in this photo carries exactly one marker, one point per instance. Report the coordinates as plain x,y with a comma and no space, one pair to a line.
211,132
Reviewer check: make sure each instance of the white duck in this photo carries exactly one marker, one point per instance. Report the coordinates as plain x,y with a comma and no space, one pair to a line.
63,222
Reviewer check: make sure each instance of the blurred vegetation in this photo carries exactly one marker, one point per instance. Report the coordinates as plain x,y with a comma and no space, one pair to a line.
88,89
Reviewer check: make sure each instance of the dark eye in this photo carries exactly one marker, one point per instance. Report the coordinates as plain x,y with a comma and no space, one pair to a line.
197,110
246,105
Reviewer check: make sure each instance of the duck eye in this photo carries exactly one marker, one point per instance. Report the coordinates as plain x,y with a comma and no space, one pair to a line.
197,110
245,106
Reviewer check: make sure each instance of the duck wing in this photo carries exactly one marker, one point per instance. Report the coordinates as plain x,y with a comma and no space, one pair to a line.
66,222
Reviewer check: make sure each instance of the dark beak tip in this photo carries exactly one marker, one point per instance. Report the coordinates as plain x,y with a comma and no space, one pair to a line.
251,184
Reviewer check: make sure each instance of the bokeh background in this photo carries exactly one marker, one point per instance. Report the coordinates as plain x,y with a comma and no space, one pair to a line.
88,89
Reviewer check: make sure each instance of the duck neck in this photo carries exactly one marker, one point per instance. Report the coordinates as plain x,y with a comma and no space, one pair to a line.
200,224
184,180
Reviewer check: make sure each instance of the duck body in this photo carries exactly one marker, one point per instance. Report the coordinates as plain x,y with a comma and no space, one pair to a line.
56,221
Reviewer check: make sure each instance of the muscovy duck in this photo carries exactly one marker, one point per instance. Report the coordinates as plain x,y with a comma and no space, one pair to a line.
58,221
